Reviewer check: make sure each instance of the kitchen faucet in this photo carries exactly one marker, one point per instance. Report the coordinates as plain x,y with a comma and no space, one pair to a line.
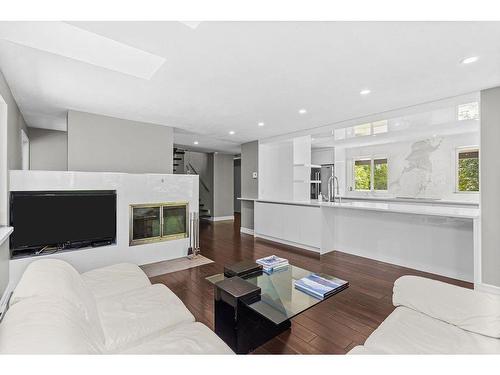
332,180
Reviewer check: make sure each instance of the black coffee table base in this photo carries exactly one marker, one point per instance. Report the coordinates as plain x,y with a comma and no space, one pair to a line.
241,328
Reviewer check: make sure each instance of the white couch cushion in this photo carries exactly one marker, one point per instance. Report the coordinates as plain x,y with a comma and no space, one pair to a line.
192,338
57,278
47,325
116,279
135,315
465,308
407,331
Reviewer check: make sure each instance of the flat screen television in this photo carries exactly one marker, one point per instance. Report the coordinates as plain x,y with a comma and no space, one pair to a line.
61,220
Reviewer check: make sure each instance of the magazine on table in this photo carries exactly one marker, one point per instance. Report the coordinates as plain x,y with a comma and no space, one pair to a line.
320,286
278,268
272,263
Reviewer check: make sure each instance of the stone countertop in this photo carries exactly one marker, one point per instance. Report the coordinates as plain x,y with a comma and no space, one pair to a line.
397,207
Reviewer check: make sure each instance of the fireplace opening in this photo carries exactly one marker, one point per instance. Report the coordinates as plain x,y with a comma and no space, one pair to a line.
154,222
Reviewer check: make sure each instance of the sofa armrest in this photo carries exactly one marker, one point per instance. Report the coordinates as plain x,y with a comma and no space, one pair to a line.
465,308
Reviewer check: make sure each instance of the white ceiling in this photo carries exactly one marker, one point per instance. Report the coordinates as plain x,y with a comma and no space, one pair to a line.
222,76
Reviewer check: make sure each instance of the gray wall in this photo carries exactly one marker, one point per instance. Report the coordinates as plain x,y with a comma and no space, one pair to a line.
13,154
249,185
107,144
249,164
223,185
48,150
203,163
490,182
237,185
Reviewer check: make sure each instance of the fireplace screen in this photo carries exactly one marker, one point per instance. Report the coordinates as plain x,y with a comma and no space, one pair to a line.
158,222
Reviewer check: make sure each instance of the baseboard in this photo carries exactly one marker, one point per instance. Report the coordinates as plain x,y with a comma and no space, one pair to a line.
289,243
247,231
221,218
487,288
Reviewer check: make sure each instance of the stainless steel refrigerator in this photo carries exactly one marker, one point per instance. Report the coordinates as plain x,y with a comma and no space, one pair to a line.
321,174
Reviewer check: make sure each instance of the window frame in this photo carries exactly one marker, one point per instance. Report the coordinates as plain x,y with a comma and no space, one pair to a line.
459,150
372,173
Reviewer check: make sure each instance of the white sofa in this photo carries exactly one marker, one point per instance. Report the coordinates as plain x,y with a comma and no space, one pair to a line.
115,309
433,317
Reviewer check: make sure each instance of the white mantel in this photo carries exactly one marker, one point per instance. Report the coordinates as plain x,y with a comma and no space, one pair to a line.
130,189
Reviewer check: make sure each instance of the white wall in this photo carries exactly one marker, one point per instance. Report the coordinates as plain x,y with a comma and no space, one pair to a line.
130,189
276,170
439,181
107,144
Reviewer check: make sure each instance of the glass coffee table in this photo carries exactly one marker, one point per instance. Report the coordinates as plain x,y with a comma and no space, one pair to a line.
252,309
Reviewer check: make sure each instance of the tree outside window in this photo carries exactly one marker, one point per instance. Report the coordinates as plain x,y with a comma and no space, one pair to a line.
380,174
468,170
370,174
362,174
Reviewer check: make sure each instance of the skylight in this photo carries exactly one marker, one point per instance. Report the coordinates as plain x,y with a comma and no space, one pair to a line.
73,42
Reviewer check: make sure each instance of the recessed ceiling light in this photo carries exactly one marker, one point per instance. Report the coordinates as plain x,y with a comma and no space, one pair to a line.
260,124
365,92
469,60
195,142
231,132
302,111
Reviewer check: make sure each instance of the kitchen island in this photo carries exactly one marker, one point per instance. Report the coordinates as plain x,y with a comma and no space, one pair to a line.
441,239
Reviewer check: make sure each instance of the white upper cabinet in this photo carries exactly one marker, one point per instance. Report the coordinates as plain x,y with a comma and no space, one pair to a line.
322,156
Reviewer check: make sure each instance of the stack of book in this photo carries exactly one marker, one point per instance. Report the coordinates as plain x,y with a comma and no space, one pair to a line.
320,286
272,263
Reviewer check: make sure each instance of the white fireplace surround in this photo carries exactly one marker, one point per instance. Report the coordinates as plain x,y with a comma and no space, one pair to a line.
130,189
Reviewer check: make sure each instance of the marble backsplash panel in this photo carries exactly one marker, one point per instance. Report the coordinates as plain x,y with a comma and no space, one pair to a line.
425,168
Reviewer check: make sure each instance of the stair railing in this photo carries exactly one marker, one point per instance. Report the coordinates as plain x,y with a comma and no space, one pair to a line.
190,169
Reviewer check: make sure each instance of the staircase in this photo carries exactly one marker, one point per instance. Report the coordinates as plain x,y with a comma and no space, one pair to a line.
179,161
183,167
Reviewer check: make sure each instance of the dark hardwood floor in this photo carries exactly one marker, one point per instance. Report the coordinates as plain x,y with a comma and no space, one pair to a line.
333,326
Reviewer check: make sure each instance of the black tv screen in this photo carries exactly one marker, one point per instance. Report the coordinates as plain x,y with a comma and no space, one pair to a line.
61,219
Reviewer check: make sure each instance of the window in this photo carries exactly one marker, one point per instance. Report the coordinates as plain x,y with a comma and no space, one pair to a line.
362,130
468,111
468,170
370,174
362,174
370,128
380,174
380,127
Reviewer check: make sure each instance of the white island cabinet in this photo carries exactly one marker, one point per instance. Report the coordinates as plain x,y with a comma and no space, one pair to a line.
437,239
289,223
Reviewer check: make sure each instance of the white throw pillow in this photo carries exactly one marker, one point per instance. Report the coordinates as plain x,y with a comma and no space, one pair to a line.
465,308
